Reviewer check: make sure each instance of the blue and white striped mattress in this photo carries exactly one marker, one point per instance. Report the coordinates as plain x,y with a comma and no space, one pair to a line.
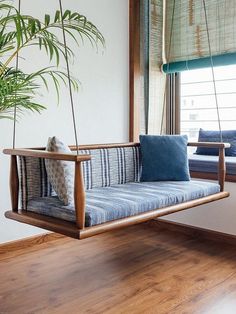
105,204
207,163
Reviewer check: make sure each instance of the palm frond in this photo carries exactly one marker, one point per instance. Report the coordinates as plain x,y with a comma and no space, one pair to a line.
18,31
31,31
19,89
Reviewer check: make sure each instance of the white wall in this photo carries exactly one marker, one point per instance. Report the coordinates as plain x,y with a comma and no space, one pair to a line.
101,106
219,216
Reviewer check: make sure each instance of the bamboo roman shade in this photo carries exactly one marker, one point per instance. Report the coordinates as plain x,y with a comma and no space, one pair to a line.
157,79
185,24
152,78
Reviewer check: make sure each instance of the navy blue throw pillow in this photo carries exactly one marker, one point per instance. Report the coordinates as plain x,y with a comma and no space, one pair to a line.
214,136
164,158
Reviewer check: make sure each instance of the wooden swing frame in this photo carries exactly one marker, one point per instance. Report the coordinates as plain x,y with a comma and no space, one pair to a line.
78,230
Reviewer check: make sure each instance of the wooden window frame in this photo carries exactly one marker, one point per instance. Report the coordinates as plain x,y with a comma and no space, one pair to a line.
135,86
134,69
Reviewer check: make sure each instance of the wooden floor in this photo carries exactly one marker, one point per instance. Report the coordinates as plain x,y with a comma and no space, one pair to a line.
141,269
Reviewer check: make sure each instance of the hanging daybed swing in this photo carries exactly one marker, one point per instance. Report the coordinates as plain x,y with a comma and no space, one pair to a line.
110,201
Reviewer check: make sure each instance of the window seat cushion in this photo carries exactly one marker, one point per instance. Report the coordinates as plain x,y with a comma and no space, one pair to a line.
209,163
105,204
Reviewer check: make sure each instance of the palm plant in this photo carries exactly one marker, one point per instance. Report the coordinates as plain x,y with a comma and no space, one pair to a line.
18,31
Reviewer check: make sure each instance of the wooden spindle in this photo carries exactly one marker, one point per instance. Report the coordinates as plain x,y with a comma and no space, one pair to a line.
14,184
79,196
222,169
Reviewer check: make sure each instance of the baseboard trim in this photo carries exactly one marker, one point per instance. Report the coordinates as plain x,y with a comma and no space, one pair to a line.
25,243
195,232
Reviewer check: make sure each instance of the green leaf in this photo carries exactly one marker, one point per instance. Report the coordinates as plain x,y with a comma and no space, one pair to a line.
47,19
57,17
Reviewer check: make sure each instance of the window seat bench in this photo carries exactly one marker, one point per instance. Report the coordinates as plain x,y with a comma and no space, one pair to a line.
206,167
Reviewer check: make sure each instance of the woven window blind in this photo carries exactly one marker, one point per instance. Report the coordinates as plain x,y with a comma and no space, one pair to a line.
189,47
157,79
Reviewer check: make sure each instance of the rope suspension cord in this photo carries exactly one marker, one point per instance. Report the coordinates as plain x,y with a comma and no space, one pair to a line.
15,106
69,78
212,70
167,60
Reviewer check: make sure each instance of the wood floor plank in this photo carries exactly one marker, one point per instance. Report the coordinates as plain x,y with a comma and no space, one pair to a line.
141,269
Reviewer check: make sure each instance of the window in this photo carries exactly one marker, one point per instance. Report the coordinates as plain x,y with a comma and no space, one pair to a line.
198,107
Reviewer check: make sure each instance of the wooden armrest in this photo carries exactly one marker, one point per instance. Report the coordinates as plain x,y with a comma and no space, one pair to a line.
209,144
221,164
79,192
45,154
